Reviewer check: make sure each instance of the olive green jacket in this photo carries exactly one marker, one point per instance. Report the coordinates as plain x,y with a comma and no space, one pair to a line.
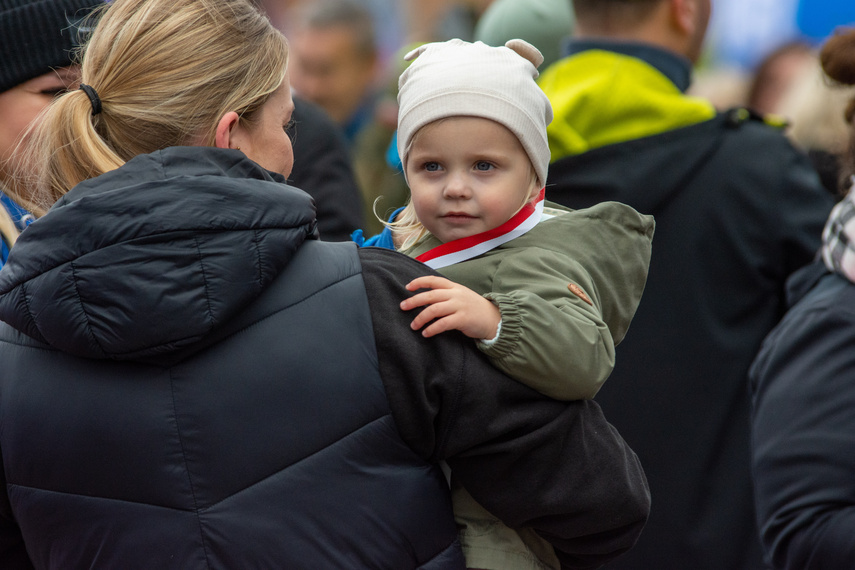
567,291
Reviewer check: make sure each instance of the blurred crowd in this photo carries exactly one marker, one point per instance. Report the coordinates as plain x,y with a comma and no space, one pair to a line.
348,55
725,387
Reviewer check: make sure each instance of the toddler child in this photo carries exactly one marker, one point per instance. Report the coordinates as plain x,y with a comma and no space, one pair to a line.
546,291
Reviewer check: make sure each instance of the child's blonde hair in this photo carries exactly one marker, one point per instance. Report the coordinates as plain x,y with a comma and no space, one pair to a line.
165,72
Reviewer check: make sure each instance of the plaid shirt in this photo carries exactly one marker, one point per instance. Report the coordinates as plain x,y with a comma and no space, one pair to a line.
838,238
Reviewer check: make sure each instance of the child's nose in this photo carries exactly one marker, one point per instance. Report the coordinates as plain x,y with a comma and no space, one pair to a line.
457,186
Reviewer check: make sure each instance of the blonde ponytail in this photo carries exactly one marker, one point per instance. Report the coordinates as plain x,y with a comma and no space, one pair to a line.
165,71
76,151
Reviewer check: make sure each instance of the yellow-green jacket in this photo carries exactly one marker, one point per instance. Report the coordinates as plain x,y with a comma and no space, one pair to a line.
601,97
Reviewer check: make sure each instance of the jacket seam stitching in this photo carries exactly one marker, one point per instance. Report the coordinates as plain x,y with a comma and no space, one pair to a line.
285,308
249,325
256,240
187,470
164,233
10,484
386,416
89,330
205,279
46,348
29,310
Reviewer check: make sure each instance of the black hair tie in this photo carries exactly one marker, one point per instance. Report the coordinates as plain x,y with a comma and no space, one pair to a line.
93,98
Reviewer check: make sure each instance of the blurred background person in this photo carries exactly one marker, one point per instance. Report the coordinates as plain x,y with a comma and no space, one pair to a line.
803,382
776,74
322,168
388,16
546,24
788,86
335,60
36,40
336,65
737,210
812,107
440,20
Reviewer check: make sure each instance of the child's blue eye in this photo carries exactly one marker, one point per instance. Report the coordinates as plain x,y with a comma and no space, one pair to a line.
483,165
431,166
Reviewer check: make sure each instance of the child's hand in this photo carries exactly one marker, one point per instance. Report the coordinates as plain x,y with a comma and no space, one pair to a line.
451,306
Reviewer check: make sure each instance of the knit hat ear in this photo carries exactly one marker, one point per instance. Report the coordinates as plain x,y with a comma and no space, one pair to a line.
416,52
527,51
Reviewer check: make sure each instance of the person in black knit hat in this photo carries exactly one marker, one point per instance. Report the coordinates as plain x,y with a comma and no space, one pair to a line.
37,40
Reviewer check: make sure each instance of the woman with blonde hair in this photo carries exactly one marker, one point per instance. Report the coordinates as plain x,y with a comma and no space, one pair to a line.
138,96
192,380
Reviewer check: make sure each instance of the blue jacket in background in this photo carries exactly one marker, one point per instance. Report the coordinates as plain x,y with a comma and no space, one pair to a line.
20,217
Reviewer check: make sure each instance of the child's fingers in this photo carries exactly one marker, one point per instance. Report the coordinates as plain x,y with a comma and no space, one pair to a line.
439,326
429,282
428,314
425,298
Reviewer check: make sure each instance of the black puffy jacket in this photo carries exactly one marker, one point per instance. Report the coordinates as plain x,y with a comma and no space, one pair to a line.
803,426
191,380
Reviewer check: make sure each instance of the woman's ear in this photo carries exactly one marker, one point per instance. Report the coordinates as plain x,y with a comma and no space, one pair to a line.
224,137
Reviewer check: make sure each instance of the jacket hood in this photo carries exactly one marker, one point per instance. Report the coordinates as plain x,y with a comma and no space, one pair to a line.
150,258
652,170
617,113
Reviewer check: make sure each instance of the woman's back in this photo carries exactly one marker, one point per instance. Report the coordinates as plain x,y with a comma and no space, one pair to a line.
174,405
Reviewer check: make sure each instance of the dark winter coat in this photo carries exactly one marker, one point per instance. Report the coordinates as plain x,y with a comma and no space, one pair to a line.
803,420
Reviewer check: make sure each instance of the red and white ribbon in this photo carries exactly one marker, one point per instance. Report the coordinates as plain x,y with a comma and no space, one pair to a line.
462,249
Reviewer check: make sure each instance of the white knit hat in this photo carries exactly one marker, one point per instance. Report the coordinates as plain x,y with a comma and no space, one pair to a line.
457,78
